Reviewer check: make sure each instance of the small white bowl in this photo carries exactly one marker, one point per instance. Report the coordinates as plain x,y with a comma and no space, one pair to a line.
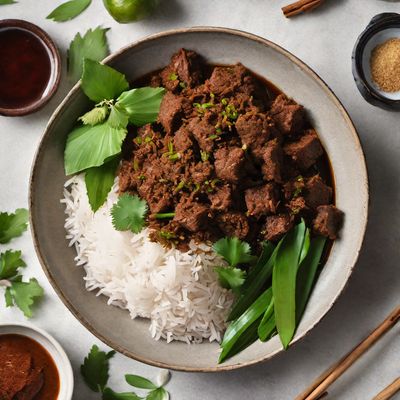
55,350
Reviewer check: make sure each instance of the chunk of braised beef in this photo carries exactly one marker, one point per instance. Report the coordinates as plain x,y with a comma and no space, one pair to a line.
221,199
229,163
191,215
172,110
272,167
262,200
328,221
127,176
288,115
183,139
203,130
316,192
298,206
201,172
233,224
157,195
277,225
293,187
305,151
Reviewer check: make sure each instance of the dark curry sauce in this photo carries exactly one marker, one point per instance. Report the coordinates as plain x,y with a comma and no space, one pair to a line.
27,370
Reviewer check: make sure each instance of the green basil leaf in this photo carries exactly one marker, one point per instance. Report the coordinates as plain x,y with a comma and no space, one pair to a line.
239,326
69,10
10,262
93,46
99,181
90,146
142,104
101,82
230,277
109,394
267,324
95,368
140,382
306,274
284,282
158,394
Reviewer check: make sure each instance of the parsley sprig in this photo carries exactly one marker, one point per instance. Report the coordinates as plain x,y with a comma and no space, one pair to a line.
95,372
19,293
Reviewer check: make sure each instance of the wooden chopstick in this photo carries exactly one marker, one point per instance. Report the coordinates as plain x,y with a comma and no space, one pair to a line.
319,386
299,7
389,391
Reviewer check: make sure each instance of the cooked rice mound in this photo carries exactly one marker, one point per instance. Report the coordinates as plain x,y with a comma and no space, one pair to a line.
178,292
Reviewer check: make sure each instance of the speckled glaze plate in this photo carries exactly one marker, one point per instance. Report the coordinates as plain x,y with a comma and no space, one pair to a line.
222,46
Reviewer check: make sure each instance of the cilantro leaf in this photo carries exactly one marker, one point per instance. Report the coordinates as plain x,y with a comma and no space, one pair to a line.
10,261
99,181
230,277
95,368
95,116
13,225
158,394
90,146
4,2
101,82
129,213
142,104
234,251
69,10
24,295
93,46
140,382
109,394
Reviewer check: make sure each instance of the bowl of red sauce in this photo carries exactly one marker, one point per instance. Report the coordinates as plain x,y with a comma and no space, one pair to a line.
30,67
33,365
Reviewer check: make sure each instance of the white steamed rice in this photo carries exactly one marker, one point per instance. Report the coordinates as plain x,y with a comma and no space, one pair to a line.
178,292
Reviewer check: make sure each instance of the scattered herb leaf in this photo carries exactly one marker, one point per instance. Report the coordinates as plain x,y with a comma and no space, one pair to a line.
158,394
109,394
69,10
230,277
129,213
93,46
10,262
5,2
234,251
140,382
13,225
95,368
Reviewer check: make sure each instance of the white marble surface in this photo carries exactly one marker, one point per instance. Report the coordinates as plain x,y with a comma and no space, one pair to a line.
324,40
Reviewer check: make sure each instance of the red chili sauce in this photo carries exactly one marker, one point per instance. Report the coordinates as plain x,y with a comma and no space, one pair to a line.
27,371
25,68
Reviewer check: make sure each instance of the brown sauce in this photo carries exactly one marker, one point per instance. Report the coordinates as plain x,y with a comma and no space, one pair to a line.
21,358
25,68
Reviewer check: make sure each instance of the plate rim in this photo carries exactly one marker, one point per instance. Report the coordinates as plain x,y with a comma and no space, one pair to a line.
74,91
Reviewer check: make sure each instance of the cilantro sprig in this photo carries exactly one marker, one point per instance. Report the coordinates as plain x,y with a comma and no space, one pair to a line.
92,145
19,293
95,372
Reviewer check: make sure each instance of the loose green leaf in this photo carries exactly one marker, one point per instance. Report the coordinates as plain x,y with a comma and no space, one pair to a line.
4,2
95,116
284,282
13,225
306,274
129,213
101,82
230,277
140,382
8,298
239,326
10,262
251,292
267,324
92,46
99,181
118,117
158,394
90,146
95,368
306,246
109,394
24,295
234,251
69,10
142,104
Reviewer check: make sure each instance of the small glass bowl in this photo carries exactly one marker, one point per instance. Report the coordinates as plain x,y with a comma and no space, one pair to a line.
381,28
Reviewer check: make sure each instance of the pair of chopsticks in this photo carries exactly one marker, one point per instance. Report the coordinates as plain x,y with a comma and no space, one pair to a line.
317,390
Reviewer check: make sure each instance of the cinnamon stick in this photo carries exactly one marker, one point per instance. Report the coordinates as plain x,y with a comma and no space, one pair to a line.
320,385
389,391
300,6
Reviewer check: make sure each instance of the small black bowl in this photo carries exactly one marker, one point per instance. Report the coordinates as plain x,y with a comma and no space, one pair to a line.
381,27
